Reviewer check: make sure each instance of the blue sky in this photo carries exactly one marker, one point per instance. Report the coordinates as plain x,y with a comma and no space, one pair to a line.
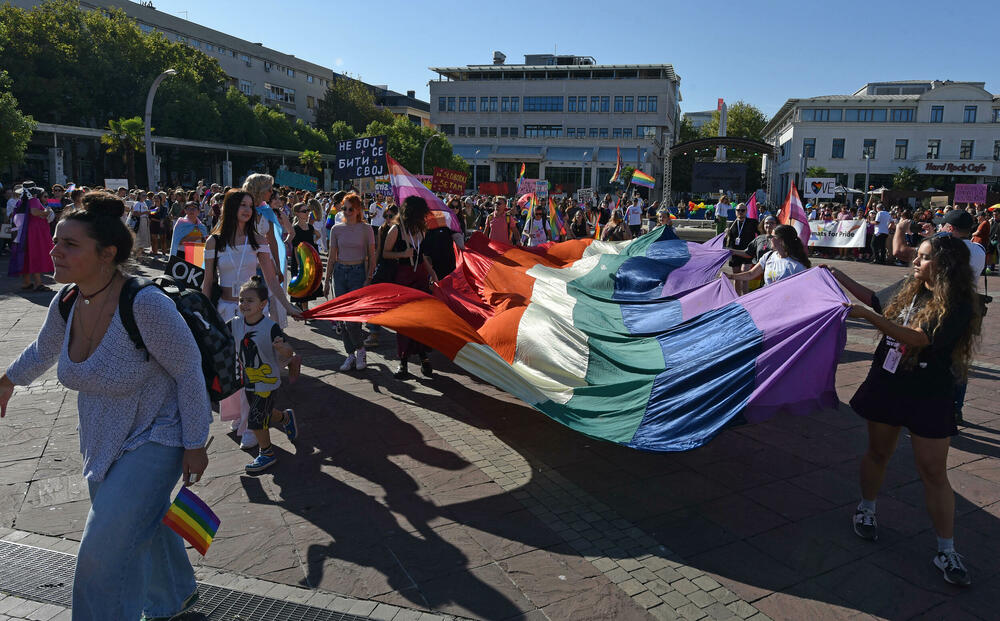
763,52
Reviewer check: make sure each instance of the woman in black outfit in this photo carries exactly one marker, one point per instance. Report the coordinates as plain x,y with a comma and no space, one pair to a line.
303,233
404,242
930,329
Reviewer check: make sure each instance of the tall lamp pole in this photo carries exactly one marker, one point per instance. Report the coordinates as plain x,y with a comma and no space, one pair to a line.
423,153
149,138
583,167
475,171
868,170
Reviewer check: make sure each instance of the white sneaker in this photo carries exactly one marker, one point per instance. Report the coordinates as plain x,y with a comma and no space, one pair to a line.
348,364
234,425
249,440
361,361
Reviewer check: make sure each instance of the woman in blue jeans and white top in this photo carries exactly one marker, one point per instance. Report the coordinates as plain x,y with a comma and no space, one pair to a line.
350,264
143,421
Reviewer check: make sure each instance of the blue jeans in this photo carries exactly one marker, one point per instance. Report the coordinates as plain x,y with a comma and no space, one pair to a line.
130,562
347,278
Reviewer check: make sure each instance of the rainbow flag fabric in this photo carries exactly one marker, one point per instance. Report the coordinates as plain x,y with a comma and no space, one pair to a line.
405,184
637,342
555,220
193,520
641,178
617,175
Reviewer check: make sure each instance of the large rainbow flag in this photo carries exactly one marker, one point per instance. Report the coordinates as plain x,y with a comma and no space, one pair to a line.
636,342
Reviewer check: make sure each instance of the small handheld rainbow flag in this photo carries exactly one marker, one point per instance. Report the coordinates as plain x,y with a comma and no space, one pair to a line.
641,178
192,519
617,175
520,175
555,221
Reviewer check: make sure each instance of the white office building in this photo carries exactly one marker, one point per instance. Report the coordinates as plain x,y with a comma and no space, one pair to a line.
563,116
948,131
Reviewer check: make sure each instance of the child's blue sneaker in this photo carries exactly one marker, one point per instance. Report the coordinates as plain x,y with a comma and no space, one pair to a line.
290,428
262,462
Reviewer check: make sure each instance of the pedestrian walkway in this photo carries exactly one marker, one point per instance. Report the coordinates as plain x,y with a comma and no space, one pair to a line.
446,496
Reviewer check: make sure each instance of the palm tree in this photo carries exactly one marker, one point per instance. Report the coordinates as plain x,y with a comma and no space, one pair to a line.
311,160
126,136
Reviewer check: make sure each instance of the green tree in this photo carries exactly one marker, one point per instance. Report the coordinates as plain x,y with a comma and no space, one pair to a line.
743,120
17,127
352,102
816,172
340,130
126,136
311,160
906,178
277,130
406,142
312,138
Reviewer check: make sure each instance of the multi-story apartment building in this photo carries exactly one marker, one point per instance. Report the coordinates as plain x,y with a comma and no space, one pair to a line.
563,116
947,130
294,85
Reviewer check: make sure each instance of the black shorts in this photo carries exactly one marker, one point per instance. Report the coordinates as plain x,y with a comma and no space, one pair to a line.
924,415
736,262
260,410
636,229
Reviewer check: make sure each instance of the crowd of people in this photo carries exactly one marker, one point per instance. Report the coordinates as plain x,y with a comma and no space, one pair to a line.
144,419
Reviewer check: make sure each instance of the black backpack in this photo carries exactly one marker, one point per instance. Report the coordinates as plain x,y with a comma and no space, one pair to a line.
215,342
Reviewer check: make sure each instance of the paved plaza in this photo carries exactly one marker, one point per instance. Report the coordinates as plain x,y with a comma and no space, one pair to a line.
446,497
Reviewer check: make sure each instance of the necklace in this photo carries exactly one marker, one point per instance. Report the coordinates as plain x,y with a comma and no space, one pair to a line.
88,298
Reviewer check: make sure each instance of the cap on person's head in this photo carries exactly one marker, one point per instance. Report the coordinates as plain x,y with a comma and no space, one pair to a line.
959,219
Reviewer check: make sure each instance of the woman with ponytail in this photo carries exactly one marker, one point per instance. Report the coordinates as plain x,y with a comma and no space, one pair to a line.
787,259
144,417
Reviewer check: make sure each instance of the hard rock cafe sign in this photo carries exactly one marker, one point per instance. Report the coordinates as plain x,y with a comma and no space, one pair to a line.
940,167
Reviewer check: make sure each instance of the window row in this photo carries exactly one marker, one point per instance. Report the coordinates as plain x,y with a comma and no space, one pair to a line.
900,151
882,115
574,103
539,131
245,58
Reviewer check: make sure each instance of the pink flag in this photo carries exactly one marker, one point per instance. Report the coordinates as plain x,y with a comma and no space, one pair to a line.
752,206
794,215
405,184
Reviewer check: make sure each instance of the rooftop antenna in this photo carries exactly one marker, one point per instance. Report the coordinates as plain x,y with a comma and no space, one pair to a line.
185,14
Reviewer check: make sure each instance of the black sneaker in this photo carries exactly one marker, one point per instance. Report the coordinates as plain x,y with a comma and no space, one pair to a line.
402,371
951,565
865,525
426,369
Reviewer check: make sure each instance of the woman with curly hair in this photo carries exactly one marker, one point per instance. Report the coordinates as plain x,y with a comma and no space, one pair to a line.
930,329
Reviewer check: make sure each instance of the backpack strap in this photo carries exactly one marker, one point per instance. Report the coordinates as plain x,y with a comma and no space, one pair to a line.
126,299
67,295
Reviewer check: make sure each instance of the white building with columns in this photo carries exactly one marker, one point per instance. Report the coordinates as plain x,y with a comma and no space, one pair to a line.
948,131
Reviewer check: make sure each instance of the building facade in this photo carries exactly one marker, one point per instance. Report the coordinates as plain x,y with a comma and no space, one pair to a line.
294,85
698,119
948,131
563,116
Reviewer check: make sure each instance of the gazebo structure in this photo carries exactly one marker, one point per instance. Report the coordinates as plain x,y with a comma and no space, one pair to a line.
710,144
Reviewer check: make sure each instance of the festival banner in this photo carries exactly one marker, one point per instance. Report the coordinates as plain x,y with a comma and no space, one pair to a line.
296,180
448,181
970,192
361,157
837,233
542,189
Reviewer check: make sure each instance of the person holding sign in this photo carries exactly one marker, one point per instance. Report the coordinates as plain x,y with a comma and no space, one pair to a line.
930,328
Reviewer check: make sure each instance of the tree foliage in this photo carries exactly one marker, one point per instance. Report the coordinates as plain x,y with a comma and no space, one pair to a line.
311,160
406,142
17,127
352,102
743,121
85,68
817,172
906,178
127,137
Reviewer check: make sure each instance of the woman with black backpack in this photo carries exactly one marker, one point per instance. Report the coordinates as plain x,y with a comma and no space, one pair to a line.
143,418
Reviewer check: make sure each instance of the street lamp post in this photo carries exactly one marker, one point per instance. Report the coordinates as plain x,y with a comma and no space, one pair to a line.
868,171
583,166
475,171
423,153
148,135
